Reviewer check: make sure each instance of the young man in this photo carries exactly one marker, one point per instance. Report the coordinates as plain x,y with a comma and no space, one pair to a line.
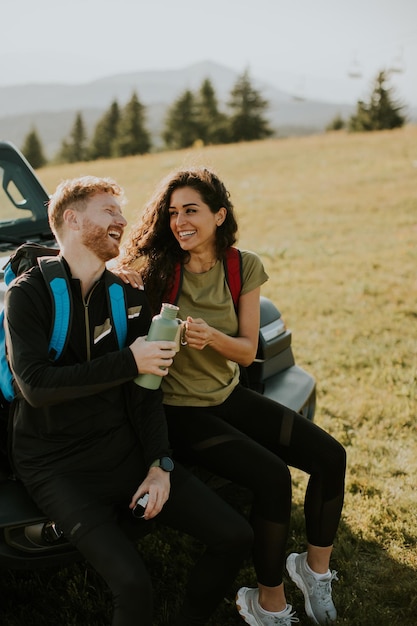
87,441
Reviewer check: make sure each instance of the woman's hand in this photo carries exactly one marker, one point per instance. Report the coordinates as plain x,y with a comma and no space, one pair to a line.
198,334
242,348
129,276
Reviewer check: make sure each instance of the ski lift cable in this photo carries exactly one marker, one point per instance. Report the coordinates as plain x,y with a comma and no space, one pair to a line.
298,94
397,65
354,70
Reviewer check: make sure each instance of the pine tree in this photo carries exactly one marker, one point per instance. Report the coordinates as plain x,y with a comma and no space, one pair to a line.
74,148
132,135
105,134
33,151
337,123
212,124
382,112
181,128
247,122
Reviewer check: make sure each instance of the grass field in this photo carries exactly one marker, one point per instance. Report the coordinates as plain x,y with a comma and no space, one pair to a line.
334,217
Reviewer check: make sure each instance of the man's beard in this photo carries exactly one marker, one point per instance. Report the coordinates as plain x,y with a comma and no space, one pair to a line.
97,239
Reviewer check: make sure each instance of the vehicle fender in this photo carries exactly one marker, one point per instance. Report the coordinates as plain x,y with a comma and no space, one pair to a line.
293,388
16,507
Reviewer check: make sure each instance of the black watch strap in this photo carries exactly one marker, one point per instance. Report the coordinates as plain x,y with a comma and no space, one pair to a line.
165,463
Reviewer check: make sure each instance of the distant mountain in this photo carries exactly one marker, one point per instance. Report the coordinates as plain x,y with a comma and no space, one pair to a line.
152,87
51,108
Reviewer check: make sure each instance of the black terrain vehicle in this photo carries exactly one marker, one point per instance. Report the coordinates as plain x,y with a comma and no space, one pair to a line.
27,539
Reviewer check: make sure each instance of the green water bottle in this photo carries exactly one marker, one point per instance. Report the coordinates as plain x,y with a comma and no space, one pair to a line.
164,327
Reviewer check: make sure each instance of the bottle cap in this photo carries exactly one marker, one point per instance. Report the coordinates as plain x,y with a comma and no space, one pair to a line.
169,310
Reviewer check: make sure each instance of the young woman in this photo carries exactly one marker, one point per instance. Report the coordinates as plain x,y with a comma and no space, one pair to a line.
216,422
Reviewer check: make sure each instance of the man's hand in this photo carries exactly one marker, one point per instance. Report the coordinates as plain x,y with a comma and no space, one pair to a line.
151,356
157,485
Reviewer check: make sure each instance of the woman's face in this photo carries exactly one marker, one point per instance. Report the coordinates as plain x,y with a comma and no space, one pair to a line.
192,222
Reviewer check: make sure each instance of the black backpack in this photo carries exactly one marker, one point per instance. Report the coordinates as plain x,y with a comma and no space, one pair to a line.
53,271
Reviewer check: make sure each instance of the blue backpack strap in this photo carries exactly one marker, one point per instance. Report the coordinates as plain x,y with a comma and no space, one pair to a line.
6,376
116,296
8,273
11,270
233,270
57,281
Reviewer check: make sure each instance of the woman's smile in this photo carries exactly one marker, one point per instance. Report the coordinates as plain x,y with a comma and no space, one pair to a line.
192,222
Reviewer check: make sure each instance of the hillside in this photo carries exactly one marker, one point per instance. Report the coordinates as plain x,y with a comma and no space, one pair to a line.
334,219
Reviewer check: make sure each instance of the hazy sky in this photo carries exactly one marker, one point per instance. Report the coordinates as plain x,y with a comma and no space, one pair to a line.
306,47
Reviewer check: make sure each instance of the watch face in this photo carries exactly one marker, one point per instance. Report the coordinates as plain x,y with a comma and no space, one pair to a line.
167,464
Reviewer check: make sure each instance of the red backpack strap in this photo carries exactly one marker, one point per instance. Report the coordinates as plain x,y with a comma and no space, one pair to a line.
173,293
233,270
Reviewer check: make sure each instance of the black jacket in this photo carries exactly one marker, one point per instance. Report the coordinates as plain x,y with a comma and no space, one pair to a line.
83,412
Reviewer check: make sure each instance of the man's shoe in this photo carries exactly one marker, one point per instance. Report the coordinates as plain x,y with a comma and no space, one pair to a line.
248,607
317,593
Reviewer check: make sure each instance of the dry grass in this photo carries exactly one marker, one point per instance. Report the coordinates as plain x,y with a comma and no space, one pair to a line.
334,218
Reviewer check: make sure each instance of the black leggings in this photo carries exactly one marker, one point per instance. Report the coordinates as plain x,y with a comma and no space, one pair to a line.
251,440
84,508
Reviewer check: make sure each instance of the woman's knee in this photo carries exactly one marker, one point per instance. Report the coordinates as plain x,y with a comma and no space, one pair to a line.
328,457
337,459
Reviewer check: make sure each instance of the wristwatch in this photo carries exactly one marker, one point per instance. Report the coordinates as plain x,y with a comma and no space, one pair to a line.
165,463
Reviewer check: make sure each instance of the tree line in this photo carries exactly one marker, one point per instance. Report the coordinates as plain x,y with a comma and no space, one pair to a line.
196,118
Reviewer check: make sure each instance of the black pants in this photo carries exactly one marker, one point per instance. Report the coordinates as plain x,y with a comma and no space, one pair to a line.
94,515
252,440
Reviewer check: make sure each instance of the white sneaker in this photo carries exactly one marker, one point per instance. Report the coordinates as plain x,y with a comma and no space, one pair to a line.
317,593
248,607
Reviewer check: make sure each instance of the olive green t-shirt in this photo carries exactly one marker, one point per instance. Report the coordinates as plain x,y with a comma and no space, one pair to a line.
205,377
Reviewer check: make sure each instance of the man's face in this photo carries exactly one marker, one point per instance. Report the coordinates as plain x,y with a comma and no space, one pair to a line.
102,226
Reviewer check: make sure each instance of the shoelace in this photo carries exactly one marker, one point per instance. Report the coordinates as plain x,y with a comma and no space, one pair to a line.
292,616
324,588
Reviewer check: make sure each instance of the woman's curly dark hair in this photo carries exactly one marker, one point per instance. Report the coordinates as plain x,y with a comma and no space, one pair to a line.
151,247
